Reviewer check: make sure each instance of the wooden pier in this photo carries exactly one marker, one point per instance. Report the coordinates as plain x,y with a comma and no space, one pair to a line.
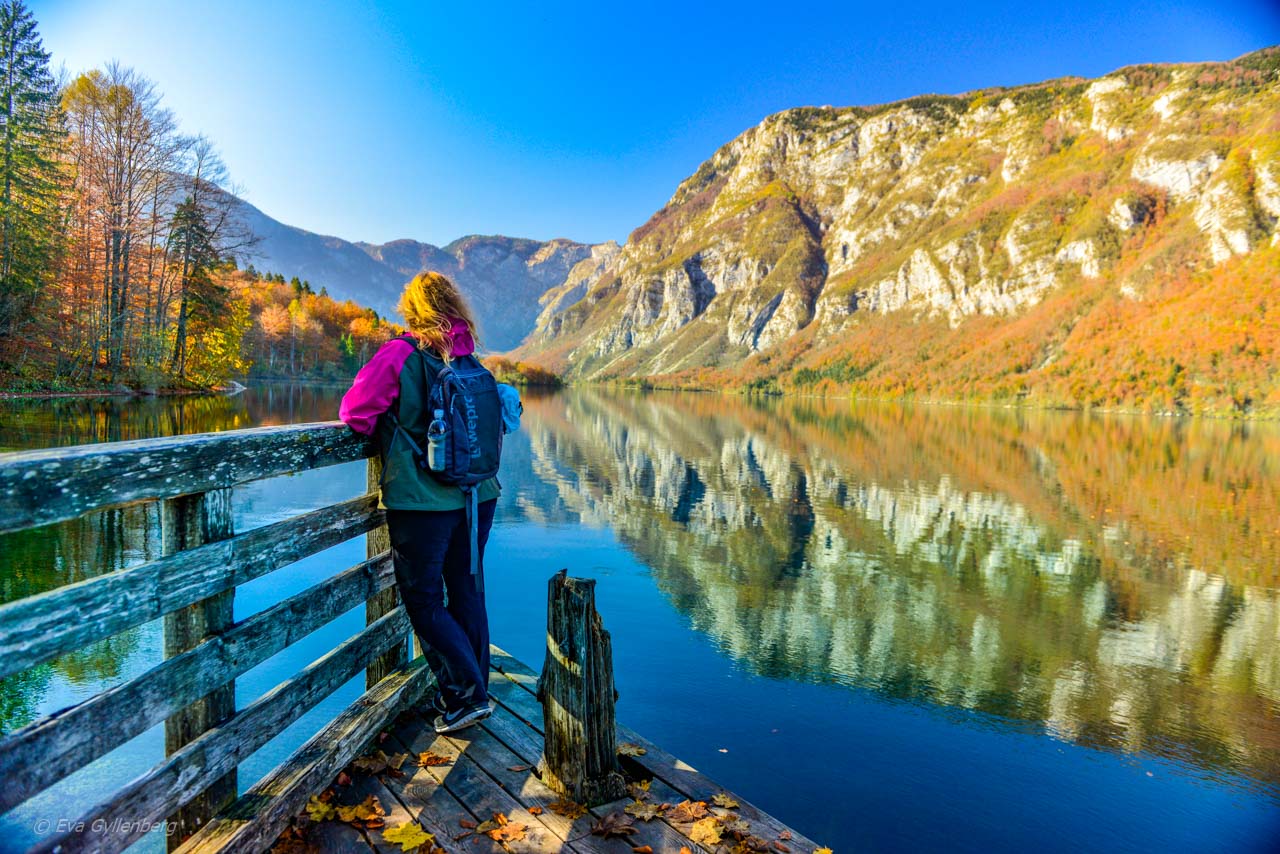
377,777
490,770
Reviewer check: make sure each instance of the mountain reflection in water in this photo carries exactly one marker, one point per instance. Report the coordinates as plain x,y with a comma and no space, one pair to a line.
994,575
1112,579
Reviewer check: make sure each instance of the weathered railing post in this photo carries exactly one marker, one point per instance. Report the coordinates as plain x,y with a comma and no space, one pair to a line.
576,690
186,522
378,541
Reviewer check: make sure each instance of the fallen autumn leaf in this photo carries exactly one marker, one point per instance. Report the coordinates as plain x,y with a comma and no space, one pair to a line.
408,836
706,832
614,824
643,811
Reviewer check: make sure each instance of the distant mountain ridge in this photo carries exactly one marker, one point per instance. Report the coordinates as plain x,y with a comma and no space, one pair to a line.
503,277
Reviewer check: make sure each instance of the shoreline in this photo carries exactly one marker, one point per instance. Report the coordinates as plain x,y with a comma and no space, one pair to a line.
1266,416
19,395
1257,417
237,387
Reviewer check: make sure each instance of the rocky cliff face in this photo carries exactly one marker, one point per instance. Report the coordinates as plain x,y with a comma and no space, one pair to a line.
937,211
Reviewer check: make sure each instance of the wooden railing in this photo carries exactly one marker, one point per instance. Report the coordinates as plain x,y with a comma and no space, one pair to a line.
192,586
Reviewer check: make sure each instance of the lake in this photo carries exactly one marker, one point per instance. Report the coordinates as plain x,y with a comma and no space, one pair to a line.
895,627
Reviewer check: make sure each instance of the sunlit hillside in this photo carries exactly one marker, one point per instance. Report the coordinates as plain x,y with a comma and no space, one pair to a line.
1105,243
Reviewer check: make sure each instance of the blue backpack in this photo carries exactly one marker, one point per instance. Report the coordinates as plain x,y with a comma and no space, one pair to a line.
467,394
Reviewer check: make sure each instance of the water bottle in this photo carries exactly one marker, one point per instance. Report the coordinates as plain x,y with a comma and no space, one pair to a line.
436,431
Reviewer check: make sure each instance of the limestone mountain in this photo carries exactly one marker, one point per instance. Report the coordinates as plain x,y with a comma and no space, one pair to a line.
504,277
1104,242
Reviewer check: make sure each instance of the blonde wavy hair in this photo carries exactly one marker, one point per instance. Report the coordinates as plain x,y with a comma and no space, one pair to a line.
429,303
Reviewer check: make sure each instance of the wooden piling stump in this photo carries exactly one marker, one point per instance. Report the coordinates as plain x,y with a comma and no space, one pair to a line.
186,522
378,541
576,690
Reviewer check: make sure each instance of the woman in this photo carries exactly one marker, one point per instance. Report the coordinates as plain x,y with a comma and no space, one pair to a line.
427,520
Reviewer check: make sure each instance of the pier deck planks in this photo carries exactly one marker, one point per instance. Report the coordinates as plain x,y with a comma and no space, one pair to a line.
486,776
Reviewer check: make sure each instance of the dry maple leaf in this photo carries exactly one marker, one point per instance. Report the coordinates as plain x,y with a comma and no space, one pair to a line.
638,790
568,809
293,842
786,834
734,824
723,799
494,823
706,832
642,849
320,810
822,851
294,846
628,749
643,811
344,779
291,831
614,824
408,836
688,811
512,831
684,849
394,761
466,822
784,849
368,810
378,762
429,759
535,810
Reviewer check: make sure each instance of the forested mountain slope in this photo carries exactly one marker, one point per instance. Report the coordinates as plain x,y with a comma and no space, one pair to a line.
504,277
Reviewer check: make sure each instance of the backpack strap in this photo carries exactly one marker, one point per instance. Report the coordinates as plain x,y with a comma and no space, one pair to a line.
470,494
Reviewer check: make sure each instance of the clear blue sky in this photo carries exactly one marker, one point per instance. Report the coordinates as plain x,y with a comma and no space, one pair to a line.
544,119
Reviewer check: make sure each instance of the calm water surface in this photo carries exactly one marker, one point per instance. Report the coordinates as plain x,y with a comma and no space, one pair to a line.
896,628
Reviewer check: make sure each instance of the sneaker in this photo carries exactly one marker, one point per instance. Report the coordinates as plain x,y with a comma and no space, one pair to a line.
437,703
456,720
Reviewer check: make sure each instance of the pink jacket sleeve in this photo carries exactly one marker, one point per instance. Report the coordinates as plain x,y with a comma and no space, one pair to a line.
375,388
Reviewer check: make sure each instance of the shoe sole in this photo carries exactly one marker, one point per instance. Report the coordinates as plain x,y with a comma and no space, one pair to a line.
471,717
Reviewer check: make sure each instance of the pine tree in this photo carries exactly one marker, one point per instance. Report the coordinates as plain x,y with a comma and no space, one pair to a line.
203,299
32,135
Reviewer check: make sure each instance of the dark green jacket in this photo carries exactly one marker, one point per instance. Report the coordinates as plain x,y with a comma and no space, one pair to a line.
404,485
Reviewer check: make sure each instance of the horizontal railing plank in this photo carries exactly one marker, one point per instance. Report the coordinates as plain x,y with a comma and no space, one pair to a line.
37,756
40,487
254,821
183,775
40,627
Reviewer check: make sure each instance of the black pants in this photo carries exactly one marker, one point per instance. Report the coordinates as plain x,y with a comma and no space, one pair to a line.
431,551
